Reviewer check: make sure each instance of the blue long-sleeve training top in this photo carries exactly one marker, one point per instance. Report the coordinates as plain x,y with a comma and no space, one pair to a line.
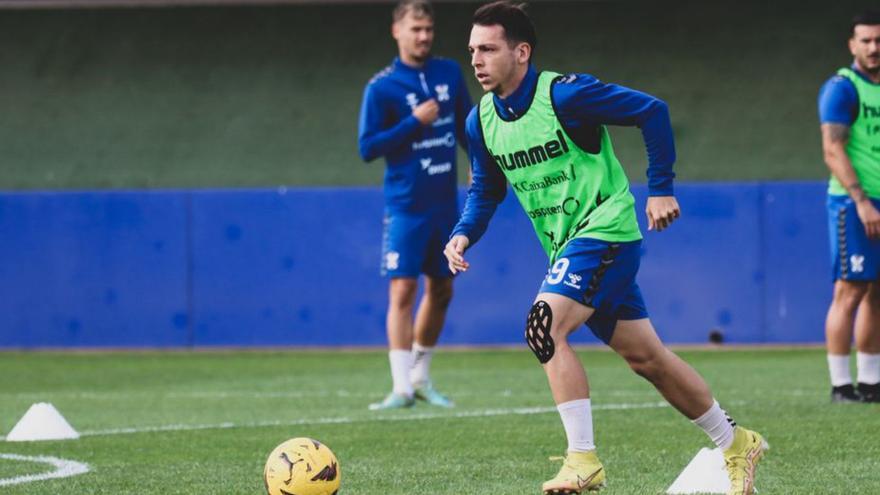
421,169
582,103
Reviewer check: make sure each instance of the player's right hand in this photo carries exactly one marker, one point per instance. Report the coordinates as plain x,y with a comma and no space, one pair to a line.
455,254
427,111
870,218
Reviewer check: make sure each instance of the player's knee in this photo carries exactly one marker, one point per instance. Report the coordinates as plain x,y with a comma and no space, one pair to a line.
538,337
646,363
849,294
403,293
441,293
873,295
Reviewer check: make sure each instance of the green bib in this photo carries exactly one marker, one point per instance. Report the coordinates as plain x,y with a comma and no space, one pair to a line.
567,192
863,147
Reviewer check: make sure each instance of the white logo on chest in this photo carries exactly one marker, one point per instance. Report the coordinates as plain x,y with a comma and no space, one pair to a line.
441,168
442,92
412,100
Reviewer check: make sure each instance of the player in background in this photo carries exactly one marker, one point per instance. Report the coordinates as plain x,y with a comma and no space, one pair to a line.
545,134
849,112
413,114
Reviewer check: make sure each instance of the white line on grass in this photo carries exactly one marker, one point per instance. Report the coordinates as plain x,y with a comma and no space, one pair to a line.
480,413
224,395
63,469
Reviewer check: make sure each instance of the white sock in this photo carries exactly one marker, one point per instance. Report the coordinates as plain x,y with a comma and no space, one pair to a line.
577,419
839,367
869,368
419,375
718,425
401,363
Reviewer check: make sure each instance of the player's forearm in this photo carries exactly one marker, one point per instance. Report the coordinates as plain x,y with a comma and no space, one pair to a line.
660,178
479,208
372,145
660,147
834,139
841,168
474,219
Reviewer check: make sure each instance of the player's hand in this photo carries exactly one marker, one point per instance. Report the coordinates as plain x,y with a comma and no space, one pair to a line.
662,211
427,111
870,218
455,254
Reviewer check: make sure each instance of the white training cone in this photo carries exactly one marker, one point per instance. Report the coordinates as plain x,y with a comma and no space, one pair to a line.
704,474
41,422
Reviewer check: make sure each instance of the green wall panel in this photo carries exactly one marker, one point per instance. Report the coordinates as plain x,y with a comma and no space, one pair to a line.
265,96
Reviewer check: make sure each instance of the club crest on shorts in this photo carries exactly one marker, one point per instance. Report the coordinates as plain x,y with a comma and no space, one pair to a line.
392,260
573,281
857,263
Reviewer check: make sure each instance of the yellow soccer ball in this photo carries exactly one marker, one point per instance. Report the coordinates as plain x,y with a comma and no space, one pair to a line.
302,466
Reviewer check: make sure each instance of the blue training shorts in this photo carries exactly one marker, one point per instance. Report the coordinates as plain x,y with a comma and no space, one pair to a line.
854,257
412,243
601,275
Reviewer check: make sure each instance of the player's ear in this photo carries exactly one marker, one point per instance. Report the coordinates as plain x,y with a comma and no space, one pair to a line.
395,28
523,53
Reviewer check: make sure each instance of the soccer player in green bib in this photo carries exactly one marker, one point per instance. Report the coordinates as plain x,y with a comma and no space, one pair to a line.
545,135
849,111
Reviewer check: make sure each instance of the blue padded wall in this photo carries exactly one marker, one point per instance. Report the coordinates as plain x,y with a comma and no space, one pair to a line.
288,268
93,269
704,272
301,267
796,255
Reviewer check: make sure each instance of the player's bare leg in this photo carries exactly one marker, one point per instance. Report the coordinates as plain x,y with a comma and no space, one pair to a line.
431,314
867,330
430,318
565,372
839,334
401,302
637,342
552,319
399,326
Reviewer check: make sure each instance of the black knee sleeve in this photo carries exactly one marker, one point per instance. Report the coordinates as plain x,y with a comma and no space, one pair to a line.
538,331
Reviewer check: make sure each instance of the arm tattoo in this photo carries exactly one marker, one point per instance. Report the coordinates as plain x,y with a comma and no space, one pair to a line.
856,192
838,133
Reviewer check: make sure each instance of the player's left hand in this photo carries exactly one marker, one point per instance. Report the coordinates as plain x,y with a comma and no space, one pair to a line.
455,254
662,211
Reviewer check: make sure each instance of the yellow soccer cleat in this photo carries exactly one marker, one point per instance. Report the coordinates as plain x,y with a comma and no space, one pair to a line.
581,472
742,459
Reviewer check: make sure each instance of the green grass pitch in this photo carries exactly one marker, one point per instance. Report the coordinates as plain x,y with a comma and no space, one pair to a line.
204,422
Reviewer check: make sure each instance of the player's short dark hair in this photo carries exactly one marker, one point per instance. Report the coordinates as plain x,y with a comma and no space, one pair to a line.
518,27
419,8
867,18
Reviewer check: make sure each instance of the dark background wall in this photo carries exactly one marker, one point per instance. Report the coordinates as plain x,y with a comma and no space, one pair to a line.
265,96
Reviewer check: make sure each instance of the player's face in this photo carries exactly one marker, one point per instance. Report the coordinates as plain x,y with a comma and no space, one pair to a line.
495,62
865,47
414,36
